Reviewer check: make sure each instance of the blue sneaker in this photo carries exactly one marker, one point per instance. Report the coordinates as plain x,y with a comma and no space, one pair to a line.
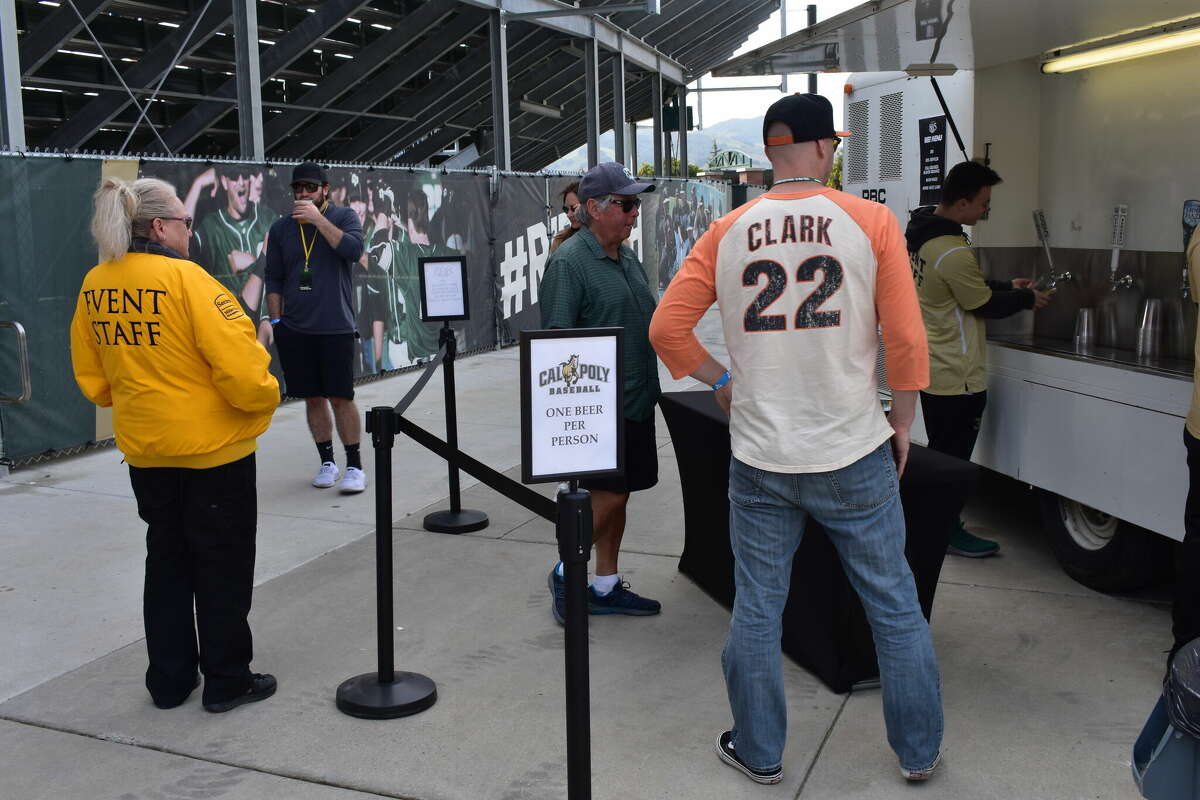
558,595
621,601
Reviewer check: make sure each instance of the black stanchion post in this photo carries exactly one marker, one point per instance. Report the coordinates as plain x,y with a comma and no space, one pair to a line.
574,549
385,694
455,519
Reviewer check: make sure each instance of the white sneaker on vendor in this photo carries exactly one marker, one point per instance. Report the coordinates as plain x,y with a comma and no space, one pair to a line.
354,482
326,476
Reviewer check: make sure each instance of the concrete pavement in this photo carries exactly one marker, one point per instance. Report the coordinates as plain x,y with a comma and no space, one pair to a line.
1046,683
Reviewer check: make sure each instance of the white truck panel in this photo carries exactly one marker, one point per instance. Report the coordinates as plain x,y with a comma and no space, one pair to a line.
1106,436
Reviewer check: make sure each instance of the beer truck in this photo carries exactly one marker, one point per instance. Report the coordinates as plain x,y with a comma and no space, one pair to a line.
1087,110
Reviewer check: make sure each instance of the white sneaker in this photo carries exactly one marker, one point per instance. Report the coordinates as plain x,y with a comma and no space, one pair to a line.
921,774
327,476
354,482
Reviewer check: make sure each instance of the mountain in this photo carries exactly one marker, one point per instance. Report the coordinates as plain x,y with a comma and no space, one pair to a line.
731,134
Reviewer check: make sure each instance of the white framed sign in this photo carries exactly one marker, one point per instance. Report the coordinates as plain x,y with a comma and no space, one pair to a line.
443,288
572,404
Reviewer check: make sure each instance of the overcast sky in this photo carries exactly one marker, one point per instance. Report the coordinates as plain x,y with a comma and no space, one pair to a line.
720,106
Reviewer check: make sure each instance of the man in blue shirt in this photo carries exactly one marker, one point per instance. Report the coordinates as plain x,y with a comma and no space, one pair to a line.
310,299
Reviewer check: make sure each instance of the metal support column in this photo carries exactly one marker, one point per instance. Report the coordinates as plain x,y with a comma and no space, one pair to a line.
633,146
681,93
812,76
12,115
591,90
783,83
618,75
498,42
656,108
249,80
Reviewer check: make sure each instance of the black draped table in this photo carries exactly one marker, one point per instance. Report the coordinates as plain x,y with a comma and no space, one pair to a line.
824,626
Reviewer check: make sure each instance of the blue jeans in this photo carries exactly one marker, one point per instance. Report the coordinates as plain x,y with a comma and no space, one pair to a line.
859,507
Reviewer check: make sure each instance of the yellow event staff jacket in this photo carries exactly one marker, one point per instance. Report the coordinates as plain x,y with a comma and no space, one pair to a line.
163,343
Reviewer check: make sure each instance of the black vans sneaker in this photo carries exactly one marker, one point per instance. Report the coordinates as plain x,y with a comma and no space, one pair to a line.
724,748
261,687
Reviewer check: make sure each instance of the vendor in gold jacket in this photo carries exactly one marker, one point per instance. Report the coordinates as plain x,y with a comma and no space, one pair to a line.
159,340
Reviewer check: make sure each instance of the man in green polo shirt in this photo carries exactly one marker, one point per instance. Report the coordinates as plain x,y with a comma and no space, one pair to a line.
955,301
595,281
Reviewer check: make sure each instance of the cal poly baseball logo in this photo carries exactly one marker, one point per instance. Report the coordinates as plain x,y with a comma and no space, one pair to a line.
569,373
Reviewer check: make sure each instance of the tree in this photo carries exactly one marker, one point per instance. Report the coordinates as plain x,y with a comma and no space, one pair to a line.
835,174
647,170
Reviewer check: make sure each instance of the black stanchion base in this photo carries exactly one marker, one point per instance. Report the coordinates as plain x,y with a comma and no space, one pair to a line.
364,696
449,521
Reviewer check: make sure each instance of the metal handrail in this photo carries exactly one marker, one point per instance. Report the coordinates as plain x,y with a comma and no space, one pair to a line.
22,366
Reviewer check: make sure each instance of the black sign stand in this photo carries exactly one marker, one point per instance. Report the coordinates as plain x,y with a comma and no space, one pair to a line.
456,519
574,531
385,694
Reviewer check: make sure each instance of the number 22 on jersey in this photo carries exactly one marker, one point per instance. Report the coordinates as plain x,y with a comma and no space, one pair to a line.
808,315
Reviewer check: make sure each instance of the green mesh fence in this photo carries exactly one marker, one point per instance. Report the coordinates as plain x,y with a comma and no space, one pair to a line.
46,208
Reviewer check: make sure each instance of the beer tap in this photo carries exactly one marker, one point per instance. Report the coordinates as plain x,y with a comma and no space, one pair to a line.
1120,216
1048,282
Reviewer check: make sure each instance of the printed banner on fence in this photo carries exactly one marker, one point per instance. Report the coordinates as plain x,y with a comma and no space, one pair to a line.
503,227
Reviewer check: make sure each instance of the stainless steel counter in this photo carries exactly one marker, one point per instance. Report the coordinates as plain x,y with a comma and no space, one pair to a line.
1125,359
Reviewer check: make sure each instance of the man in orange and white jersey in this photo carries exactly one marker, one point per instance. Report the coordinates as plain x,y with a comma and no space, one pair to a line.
804,277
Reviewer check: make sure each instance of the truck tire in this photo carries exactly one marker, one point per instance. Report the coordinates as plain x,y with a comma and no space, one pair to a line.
1099,550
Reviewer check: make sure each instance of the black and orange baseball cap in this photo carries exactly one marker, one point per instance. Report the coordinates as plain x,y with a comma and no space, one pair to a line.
810,117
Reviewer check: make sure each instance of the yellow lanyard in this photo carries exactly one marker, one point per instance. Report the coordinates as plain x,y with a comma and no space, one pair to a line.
308,248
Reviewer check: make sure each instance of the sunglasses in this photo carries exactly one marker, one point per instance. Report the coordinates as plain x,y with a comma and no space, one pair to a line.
187,221
836,141
568,210
304,186
628,204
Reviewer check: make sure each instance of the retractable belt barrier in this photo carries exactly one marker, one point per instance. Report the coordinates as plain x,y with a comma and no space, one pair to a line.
387,694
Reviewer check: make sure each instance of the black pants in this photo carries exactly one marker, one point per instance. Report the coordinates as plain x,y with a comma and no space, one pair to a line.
952,422
199,550
1186,615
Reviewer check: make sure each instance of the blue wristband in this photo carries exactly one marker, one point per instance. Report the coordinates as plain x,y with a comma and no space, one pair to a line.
723,380
275,321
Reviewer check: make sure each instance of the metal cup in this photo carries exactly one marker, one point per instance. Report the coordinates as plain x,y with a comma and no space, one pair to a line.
1085,326
1150,329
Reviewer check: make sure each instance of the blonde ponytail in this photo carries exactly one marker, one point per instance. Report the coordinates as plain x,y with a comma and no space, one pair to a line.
125,210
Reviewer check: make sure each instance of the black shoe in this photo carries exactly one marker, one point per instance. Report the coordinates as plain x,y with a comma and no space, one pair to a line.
261,687
180,701
621,601
724,747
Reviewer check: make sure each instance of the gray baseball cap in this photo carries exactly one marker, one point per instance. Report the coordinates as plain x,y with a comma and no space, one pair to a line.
610,178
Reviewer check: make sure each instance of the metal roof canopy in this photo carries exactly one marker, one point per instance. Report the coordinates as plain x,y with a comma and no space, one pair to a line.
636,51
893,35
365,80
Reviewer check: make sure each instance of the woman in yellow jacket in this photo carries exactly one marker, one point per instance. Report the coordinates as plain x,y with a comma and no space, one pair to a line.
162,342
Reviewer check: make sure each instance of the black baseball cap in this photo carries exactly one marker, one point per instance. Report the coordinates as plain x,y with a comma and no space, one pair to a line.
810,117
609,178
309,172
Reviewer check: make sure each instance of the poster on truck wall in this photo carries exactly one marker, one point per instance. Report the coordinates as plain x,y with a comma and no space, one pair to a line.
932,136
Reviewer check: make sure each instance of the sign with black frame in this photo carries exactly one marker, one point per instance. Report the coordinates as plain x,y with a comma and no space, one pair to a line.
931,133
572,404
443,288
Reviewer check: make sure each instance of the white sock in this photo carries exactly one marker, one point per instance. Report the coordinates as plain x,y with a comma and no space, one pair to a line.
603,584
558,569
